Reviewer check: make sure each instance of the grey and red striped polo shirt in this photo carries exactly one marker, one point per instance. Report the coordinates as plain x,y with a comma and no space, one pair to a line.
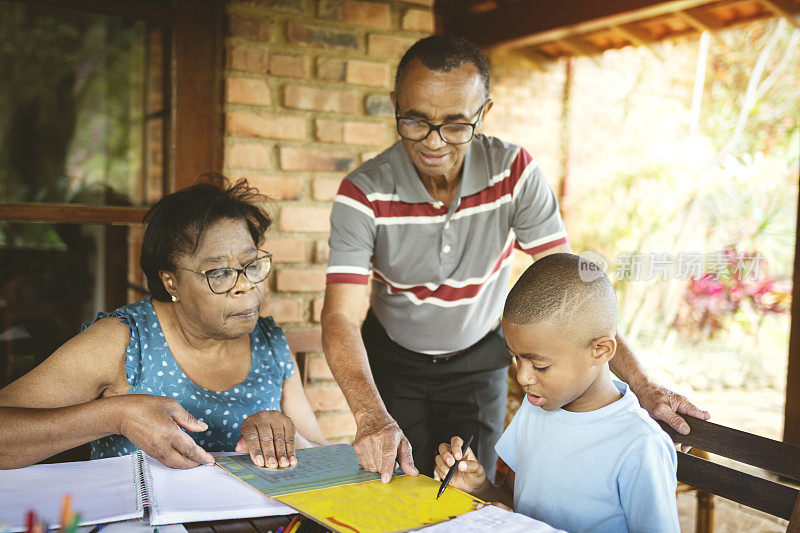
440,276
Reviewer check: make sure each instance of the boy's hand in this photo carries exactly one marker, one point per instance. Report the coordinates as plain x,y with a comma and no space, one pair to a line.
480,505
470,476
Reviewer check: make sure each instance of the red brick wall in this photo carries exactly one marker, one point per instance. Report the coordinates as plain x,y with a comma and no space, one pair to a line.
306,93
527,111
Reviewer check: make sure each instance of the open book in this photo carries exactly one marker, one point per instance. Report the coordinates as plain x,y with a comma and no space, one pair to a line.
129,487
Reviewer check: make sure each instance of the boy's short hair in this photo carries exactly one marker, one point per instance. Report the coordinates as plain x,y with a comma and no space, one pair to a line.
568,290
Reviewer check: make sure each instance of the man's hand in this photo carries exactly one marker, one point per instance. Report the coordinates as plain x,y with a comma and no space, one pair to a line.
378,443
155,424
268,436
470,475
663,404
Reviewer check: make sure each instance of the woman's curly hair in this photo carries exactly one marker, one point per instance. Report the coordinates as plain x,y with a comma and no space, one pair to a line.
175,223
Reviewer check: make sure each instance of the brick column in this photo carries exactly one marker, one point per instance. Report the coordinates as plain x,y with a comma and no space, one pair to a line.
307,85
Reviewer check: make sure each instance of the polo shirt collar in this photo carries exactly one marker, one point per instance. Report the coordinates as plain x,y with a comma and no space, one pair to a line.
474,175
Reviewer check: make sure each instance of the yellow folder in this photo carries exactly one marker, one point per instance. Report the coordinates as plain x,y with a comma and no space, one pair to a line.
405,503
330,486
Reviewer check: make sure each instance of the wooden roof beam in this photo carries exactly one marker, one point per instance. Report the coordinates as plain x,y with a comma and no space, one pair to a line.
703,17
701,25
637,37
538,59
581,47
784,8
534,22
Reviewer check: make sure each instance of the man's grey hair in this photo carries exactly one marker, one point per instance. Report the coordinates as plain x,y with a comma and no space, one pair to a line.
444,53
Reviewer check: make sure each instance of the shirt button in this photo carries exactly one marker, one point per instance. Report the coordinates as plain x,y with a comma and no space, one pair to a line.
446,249
438,205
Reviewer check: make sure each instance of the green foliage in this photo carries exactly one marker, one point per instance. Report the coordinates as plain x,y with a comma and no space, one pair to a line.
734,186
68,102
772,121
71,99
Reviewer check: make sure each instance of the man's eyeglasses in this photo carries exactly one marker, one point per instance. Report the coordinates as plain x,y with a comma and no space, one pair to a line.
415,129
221,280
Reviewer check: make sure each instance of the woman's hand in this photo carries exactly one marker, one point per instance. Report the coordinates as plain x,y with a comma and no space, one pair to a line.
470,475
268,436
155,424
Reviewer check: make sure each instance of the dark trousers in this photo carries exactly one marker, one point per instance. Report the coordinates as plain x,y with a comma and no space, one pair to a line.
431,402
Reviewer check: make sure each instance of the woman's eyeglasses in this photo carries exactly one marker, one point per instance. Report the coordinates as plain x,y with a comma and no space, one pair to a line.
221,280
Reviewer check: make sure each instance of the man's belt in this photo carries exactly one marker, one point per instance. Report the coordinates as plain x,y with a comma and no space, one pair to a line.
449,356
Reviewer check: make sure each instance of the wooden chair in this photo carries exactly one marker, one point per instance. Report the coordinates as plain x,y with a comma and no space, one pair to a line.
704,519
759,493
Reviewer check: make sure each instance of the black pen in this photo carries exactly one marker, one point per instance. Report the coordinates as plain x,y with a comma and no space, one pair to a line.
453,468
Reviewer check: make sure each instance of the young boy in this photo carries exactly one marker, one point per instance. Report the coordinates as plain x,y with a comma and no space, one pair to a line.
583,456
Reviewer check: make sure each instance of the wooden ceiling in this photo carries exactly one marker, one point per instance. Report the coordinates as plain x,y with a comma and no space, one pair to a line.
555,28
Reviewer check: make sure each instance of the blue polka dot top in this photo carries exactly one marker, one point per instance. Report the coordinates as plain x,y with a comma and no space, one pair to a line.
152,369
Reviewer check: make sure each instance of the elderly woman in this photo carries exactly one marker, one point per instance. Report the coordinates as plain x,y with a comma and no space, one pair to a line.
193,357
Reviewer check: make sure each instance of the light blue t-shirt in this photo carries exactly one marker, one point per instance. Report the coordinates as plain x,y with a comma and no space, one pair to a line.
151,369
605,471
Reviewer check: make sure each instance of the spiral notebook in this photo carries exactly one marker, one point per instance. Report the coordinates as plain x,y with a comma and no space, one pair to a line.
129,487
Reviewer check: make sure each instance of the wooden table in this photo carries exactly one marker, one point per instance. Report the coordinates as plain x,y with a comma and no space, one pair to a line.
267,524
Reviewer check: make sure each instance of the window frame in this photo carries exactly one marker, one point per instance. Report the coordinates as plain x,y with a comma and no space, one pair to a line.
193,131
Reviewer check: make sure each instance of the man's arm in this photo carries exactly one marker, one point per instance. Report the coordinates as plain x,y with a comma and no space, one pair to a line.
379,440
660,402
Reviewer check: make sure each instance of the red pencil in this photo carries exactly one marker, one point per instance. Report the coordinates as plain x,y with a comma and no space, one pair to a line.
292,523
30,521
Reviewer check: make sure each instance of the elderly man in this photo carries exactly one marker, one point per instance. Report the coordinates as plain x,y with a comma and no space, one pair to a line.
434,219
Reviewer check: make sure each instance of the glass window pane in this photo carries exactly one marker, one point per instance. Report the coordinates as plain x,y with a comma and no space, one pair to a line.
53,277
74,111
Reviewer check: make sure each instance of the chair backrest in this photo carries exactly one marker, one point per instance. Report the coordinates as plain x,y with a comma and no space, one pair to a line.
753,491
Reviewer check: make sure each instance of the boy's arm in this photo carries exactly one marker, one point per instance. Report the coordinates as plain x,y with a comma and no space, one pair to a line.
503,493
647,486
471,478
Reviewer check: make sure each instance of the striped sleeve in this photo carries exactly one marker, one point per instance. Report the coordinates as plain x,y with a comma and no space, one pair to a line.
352,239
536,219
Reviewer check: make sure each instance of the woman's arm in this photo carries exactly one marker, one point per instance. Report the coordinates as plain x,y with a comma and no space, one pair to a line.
294,404
55,406
29,435
76,395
